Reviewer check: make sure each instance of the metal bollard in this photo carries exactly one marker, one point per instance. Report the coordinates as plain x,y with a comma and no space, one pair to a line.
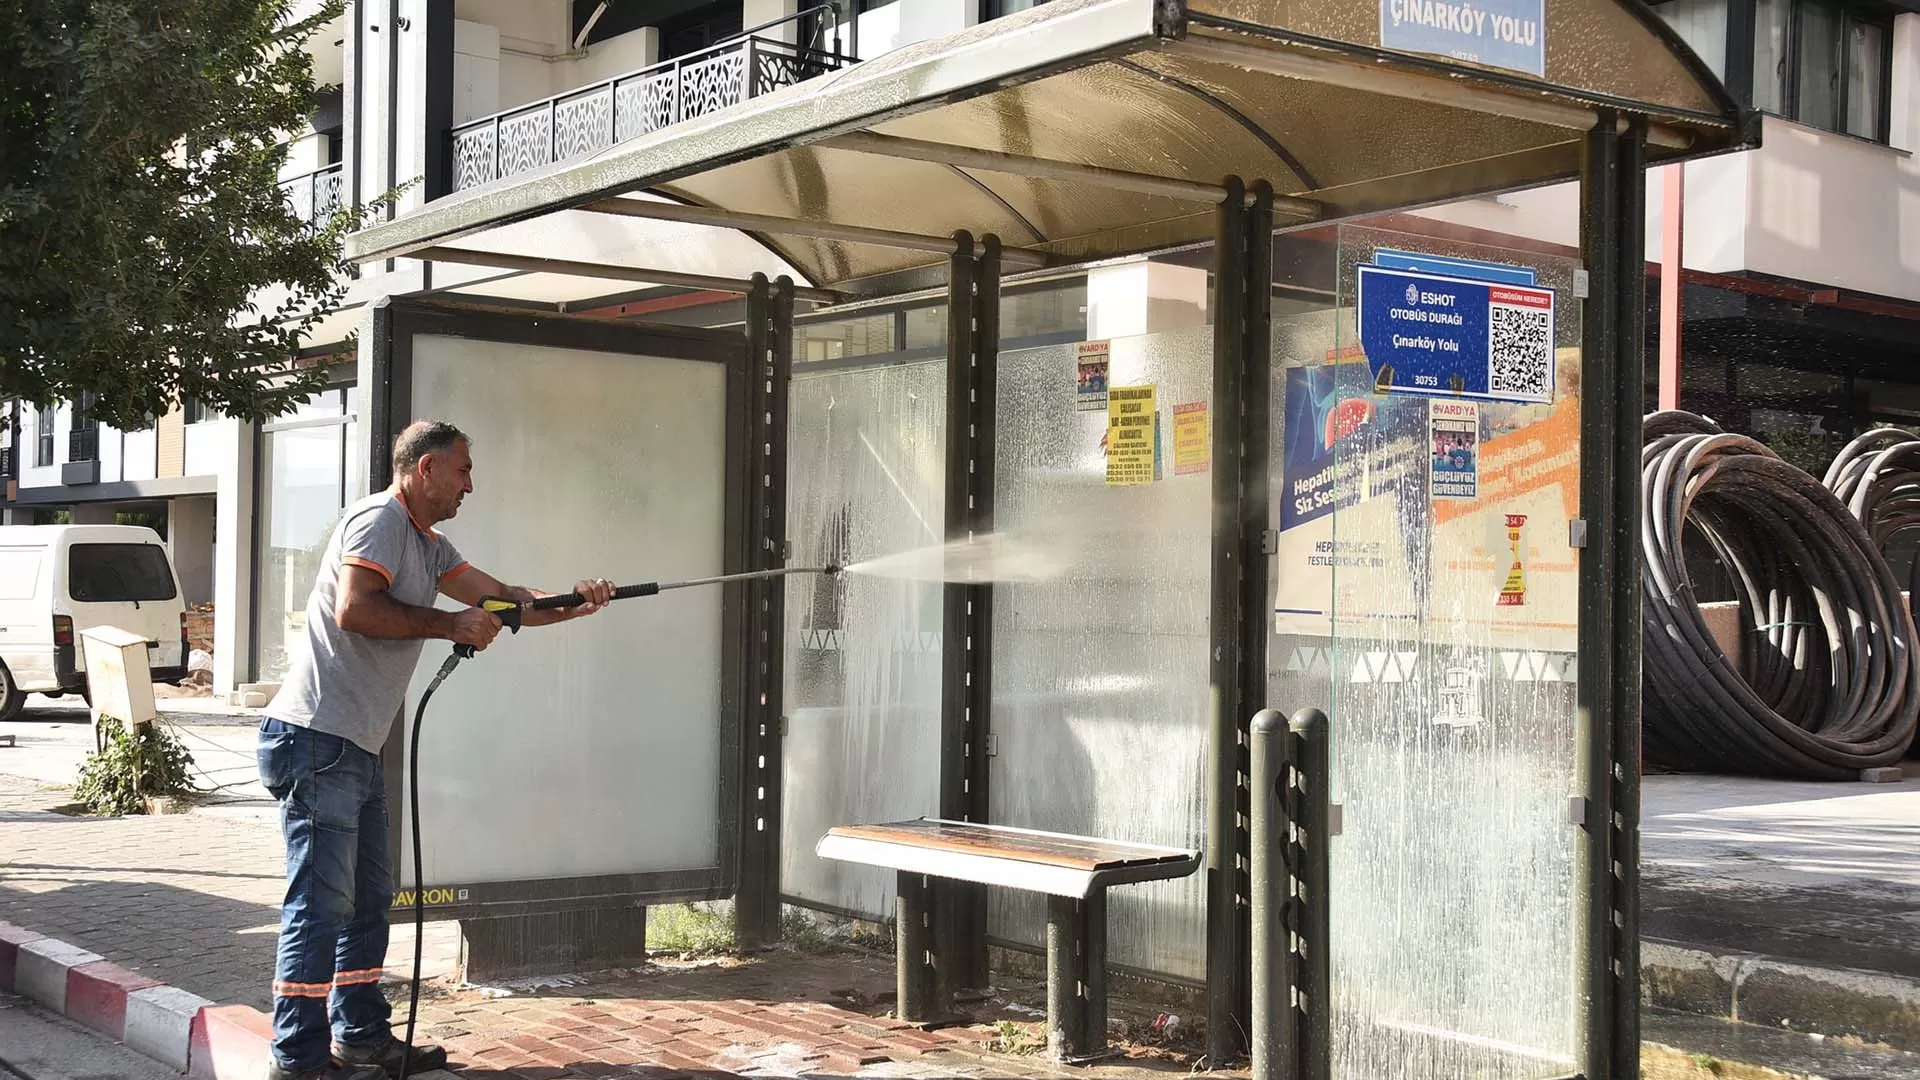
1314,829
1275,1054
1290,830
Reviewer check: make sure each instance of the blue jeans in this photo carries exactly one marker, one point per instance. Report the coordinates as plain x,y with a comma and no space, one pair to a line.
333,922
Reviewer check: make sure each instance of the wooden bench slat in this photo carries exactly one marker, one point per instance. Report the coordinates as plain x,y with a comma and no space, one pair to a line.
984,840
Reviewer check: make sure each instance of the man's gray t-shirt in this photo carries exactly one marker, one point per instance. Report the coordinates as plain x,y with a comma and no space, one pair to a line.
348,684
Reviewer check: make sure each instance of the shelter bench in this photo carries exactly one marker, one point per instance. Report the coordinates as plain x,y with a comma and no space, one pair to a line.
1073,871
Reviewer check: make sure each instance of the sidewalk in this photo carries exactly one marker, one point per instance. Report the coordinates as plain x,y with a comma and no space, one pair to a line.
1771,892
1786,904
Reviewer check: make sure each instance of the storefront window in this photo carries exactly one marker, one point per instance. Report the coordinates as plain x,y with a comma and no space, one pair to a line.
306,468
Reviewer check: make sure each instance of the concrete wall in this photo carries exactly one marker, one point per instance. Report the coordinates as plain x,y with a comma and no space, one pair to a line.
493,71
910,21
190,544
1836,210
138,455
208,446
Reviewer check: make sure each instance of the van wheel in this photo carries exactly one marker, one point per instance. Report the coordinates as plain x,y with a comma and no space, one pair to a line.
13,700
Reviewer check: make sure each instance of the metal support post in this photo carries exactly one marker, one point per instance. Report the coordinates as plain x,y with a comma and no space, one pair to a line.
1613,370
973,345
1077,977
917,975
770,362
1243,273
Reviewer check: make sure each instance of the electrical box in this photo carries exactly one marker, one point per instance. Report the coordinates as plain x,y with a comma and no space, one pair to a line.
118,677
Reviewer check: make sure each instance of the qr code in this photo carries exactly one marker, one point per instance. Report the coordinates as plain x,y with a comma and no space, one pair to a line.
1520,360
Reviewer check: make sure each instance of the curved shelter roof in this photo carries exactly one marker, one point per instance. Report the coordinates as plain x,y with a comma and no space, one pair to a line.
1090,129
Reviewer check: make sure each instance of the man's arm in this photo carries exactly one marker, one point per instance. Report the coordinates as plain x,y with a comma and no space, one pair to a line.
365,607
471,584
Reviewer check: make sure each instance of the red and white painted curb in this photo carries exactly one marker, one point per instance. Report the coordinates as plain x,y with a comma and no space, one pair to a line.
178,1029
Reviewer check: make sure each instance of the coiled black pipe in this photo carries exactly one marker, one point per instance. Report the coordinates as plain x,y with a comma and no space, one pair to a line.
1829,682
1877,476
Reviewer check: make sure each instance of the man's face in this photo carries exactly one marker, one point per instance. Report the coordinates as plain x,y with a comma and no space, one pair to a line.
444,479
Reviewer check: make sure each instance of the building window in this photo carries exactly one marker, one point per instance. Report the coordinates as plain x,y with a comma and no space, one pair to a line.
42,436
699,28
993,9
1823,63
83,439
308,465
194,411
1702,24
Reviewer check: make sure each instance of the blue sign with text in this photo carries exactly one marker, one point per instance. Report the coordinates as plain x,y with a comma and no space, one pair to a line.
1444,336
1448,265
1510,34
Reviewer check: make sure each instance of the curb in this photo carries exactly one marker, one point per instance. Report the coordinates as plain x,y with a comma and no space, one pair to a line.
180,1030
1873,1006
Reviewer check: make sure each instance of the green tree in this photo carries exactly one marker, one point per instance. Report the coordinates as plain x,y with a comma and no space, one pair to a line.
140,209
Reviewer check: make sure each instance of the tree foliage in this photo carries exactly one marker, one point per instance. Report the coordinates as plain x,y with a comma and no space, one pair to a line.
141,215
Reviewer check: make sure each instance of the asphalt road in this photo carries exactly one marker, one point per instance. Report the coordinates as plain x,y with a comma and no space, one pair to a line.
36,1045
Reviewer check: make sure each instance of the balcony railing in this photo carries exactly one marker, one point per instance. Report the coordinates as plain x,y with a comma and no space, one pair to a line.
83,444
593,118
316,195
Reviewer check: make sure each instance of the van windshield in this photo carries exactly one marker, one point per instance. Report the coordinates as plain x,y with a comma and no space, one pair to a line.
118,573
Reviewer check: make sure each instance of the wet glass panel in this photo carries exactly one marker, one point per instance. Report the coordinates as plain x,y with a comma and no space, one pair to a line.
865,478
1425,581
1100,677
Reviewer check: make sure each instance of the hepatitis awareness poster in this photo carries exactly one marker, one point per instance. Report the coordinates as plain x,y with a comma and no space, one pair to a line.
1397,510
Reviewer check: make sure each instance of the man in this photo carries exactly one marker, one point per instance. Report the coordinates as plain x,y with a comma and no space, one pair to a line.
369,615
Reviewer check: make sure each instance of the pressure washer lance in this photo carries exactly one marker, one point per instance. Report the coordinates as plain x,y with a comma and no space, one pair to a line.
510,614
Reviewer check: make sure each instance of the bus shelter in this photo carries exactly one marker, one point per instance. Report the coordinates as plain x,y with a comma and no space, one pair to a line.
1411,507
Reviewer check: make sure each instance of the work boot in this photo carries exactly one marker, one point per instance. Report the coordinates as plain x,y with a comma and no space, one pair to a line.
390,1056
277,1071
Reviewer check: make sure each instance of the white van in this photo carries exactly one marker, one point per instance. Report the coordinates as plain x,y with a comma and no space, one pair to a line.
57,580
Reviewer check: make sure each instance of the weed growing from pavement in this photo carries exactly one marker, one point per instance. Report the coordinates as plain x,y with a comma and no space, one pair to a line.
1017,1039
130,768
691,930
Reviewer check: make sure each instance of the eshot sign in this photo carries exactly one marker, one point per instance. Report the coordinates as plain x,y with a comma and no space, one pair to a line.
1447,335
1510,34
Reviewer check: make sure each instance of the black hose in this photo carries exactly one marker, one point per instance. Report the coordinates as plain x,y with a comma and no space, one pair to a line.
1829,683
419,862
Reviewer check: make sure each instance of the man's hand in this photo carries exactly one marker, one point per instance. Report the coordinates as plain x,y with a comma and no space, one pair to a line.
598,592
476,627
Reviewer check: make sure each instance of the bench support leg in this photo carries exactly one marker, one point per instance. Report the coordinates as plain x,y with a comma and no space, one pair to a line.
1077,977
918,961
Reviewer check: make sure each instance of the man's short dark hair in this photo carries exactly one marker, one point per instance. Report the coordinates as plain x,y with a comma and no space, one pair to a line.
421,438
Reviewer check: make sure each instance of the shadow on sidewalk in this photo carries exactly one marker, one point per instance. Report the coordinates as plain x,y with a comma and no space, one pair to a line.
201,941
